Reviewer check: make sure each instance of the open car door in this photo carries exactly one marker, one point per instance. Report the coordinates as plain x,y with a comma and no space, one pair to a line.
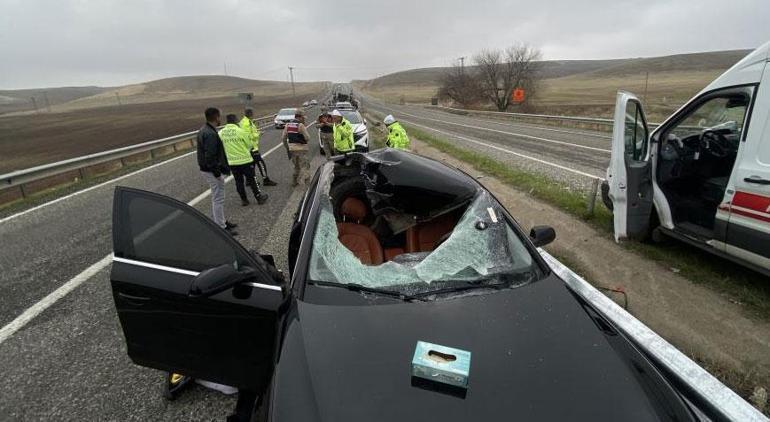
190,298
630,172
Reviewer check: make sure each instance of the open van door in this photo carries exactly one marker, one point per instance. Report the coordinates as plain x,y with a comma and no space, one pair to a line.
629,175
189,297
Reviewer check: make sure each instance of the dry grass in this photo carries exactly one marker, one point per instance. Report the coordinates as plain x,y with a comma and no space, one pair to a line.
585,88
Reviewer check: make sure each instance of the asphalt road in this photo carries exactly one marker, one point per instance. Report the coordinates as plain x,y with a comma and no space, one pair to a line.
69,362
582,150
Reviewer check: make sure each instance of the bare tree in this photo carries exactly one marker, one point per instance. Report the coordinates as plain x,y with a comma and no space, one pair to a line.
460,85
499,72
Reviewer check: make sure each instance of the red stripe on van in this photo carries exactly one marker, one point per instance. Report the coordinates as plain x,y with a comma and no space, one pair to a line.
752,201
750,215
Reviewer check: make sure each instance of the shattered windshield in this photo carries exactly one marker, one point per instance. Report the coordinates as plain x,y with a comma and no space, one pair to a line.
481,248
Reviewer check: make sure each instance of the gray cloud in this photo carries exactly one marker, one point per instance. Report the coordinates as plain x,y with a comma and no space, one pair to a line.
111,42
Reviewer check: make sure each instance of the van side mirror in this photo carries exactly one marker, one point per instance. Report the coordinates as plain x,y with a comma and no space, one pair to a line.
542,235
218,279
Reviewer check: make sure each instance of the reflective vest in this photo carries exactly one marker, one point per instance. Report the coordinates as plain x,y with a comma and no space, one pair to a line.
293,134
250,128
343,136
397,137
237,144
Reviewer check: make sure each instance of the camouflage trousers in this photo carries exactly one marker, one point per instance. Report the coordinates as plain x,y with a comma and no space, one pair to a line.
301,163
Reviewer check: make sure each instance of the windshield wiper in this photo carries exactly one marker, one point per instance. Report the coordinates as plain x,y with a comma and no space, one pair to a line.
507,282
361,288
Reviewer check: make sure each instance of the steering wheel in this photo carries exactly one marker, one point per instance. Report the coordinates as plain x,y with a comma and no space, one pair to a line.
715,143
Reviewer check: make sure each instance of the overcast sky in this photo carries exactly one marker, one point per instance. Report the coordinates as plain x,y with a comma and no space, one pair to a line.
111,42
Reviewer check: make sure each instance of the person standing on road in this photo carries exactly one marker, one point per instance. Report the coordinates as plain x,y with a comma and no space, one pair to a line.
238,147
396,134
295,139
213,165
247,124
326,132
343,133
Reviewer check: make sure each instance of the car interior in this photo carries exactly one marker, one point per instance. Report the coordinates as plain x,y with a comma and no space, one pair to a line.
394,218
696,158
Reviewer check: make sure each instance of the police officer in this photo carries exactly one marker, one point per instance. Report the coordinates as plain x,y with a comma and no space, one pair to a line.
295,139
396,134
238,147
326,132
247,124
343,133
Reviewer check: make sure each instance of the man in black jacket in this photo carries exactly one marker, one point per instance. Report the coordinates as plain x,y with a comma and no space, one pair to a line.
213,165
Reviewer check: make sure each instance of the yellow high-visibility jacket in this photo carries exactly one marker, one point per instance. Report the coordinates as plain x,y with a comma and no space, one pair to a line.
237,144
343,136
397,137
250,128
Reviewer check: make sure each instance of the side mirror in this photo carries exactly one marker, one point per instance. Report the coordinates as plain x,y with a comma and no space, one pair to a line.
542,235
218,279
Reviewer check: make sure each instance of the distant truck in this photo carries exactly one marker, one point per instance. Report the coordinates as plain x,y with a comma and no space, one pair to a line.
703,176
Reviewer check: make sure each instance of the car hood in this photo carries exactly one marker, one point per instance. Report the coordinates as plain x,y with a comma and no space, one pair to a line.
358,127
538,353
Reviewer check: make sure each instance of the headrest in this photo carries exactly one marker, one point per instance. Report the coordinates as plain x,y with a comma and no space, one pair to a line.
353,209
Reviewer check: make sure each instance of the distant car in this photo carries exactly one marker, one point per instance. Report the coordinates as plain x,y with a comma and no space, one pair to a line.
306,104
387,249
313,102
344,105
285,115
360,131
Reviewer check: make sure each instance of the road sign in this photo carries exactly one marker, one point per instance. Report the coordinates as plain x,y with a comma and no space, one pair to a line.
517,96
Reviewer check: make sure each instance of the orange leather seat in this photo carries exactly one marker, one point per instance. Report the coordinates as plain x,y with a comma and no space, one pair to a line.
358,238
425,237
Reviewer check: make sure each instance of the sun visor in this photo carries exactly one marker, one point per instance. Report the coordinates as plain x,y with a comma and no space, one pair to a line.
407,183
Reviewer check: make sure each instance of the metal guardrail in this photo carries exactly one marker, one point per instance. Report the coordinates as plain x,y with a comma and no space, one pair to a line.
709,391
84,166
576,119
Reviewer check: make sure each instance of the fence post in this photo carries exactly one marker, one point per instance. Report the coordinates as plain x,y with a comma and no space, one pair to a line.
592,197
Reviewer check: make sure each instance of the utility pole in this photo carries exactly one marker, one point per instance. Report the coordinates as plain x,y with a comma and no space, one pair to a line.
293,91
47,103
225,67
117,95
34,104
646,79
462,65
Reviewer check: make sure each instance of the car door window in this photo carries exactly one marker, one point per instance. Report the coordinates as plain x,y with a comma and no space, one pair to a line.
156,230
726,111
636,139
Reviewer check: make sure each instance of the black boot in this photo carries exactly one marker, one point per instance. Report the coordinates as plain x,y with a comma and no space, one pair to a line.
175,383
262,198
268,182
245,202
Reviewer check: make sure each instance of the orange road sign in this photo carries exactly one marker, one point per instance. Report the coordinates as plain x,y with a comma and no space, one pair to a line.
517,96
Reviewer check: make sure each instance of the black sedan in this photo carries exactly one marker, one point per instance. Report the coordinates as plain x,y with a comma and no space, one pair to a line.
388,249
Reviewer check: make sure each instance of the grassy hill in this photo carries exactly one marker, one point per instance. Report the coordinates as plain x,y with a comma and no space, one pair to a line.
585,87
169,89
21,99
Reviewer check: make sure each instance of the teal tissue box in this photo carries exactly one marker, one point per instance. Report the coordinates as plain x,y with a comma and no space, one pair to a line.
442,364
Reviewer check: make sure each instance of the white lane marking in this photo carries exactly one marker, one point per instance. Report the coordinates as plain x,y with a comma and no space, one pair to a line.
37,207
20,321
559,166
519,135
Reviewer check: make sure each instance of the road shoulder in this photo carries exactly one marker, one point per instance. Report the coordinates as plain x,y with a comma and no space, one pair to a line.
702,323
